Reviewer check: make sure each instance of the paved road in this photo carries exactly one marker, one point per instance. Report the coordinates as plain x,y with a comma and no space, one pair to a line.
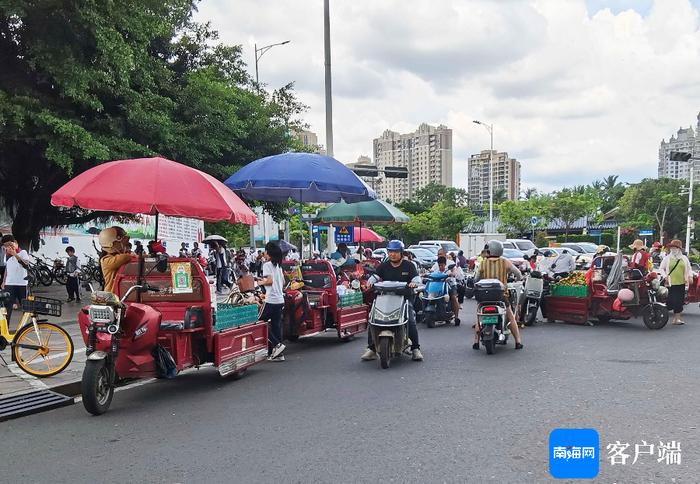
324,416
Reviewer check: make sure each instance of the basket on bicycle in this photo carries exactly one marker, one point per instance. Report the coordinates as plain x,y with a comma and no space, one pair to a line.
42,305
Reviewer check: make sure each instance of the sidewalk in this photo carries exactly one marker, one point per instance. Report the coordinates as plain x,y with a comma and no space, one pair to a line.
14,381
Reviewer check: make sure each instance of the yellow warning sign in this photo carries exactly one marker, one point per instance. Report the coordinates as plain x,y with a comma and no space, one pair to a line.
343,231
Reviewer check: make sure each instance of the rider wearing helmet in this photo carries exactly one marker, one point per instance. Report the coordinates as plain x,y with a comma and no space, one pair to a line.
397,269
495,266
115,254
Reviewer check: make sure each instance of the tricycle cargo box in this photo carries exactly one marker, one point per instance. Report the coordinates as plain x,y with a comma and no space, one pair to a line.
230,316
488,290
569,291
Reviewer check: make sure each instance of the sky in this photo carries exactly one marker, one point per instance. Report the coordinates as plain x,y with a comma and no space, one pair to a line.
576,89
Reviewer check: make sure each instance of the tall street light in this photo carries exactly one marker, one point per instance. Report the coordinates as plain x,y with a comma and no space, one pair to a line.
687,158
260,52
489,128
327,62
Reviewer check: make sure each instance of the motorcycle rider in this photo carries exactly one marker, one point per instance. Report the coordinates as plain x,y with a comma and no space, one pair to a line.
113,241
397,269
453,287
495,266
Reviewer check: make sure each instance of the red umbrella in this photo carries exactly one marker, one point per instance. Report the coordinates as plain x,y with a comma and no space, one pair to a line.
154,186
363,234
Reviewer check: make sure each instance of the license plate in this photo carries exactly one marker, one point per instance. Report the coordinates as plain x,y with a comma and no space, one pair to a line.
489,320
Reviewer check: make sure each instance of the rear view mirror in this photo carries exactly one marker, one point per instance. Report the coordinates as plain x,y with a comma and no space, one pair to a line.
162,264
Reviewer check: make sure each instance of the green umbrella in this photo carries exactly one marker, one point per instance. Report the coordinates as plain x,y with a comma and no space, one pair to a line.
373,212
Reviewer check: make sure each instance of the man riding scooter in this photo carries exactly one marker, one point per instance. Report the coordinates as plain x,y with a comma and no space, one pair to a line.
563,265
397,269
495,266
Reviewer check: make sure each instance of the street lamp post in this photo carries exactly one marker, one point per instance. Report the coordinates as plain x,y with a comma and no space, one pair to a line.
260,52
688,158
489,128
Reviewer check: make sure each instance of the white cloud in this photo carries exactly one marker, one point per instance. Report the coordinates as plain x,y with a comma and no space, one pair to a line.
576,91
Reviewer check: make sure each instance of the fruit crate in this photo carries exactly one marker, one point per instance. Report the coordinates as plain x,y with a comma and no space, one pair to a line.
230,316
569,291
353,299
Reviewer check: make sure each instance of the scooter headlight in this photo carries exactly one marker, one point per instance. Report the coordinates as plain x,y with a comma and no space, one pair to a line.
392,316
101,314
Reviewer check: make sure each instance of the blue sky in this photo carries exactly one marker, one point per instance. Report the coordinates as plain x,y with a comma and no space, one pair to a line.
616,6
576,89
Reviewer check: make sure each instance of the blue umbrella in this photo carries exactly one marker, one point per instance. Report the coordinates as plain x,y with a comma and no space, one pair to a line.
303,177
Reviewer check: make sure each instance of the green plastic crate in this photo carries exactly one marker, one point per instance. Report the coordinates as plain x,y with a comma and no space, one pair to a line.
230,316
569,291
353,299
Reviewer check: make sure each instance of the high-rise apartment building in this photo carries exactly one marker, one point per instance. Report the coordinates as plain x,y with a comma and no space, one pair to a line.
506,176
425,153
685,140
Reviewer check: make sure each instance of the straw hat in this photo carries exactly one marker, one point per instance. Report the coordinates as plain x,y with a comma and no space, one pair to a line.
675,243
638,245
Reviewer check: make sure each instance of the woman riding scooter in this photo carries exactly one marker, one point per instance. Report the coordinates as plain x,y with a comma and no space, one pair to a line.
494,266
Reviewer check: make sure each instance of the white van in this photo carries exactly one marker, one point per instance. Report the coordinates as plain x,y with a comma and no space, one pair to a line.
448,245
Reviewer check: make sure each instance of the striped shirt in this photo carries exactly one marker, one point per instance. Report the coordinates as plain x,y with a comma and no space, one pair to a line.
494,268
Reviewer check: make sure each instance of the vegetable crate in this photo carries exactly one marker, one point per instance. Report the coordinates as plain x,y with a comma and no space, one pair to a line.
569,291
230,316
352,299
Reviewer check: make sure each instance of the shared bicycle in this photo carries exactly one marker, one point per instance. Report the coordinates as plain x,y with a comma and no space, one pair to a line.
39,348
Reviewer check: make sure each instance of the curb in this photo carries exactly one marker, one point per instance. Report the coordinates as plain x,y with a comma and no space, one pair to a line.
70,389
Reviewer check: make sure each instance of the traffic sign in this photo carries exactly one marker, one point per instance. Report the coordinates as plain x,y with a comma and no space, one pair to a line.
344,234
533,221
648,232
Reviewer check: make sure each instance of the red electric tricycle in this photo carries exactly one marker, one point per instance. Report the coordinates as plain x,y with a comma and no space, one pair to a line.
316,307
602,303
160,317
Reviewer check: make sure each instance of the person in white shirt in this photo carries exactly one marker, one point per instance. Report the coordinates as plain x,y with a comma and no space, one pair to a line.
564,264
452,273
273,280
15,280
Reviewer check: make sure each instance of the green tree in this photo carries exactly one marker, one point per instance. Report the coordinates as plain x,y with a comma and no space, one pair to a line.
442,221
569,205
658,204
610,191
82,83
515,216
432,193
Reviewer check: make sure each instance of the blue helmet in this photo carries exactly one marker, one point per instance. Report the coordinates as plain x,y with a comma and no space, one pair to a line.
394,246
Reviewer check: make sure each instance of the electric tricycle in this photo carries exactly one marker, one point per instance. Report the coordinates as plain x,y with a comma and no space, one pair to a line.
159,321
316,307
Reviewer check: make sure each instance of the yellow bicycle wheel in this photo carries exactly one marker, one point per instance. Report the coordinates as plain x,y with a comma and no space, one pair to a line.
44,353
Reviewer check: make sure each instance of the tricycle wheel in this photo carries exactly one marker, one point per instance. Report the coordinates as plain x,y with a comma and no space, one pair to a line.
384,352
655,316
237,375
96,387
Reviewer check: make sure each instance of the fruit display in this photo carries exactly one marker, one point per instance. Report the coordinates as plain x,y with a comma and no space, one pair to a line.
574,279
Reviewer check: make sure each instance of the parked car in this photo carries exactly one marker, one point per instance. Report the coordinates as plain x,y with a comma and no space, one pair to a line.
423,254
379,254
555,251
523,245
517,257
581,247
448,245
423,263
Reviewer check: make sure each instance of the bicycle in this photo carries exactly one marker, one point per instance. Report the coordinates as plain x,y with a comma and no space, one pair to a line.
36,342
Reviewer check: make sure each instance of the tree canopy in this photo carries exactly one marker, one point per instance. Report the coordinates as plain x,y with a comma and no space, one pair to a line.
85,83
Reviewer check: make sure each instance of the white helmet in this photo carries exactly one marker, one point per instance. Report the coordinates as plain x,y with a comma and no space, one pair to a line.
495,248
112,239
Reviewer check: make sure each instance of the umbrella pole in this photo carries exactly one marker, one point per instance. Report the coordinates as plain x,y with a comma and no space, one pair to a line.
155,237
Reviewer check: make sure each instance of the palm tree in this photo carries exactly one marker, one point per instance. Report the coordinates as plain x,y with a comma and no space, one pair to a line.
610,182
529,193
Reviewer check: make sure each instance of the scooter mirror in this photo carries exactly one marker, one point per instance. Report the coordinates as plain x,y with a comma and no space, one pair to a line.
162,264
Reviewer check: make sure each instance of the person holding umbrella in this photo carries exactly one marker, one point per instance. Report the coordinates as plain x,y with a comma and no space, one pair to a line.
676,270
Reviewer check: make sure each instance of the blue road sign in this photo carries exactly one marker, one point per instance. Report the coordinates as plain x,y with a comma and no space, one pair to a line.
533,221
344,234
647,232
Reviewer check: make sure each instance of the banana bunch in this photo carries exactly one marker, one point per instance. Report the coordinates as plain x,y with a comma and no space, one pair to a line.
574,279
